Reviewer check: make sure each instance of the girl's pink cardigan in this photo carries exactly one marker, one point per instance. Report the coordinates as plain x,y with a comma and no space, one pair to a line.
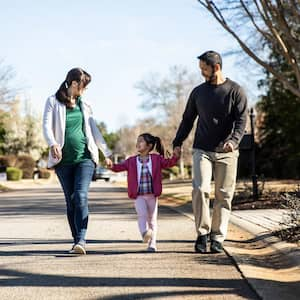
158,163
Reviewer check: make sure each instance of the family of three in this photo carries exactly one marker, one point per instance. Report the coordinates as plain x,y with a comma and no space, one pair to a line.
220,107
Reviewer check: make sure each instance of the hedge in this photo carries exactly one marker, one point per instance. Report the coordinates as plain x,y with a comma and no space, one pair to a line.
14,174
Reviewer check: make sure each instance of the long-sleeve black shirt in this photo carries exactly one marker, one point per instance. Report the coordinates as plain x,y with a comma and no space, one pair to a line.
222,113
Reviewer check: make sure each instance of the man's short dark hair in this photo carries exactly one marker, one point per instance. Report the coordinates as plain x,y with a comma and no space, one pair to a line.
211,58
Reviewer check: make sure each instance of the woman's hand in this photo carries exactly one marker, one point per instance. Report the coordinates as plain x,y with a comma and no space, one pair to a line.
55,151
108,162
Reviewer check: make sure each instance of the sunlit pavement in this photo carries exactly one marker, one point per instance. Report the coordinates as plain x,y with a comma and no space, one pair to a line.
35,238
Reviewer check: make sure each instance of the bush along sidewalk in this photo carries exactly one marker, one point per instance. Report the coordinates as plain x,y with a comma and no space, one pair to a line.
14,174
290,231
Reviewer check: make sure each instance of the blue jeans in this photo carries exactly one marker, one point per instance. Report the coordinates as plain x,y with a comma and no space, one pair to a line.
75,181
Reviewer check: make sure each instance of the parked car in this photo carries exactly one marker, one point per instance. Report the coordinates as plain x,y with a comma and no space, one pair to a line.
101,173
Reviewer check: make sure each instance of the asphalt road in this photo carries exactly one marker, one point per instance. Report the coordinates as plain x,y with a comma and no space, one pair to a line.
35,238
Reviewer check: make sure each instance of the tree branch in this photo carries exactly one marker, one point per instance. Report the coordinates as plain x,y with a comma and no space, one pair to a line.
288,52
265,34
210,6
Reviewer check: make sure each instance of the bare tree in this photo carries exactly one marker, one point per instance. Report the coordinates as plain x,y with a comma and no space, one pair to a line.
13,124
159,93
167,96
261,27
128,135
23,132
7,93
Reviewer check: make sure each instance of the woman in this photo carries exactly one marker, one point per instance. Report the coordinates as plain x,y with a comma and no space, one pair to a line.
74,139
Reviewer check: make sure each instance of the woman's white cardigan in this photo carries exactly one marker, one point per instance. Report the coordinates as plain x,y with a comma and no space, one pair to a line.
54,125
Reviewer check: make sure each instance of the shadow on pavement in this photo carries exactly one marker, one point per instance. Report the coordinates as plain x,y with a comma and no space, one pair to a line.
252,240
158,295
208,286
51,202
27,241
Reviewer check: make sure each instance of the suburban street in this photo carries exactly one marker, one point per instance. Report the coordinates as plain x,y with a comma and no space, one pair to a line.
35,264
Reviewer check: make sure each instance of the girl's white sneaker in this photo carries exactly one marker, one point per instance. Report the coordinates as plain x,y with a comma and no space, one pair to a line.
147,235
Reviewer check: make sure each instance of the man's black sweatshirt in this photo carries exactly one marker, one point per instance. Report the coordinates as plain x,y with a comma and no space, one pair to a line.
222,113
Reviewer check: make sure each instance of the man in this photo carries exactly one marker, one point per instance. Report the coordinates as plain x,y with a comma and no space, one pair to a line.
221,107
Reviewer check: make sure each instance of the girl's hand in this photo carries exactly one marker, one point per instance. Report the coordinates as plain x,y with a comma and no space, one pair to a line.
55,151
108,163
177,151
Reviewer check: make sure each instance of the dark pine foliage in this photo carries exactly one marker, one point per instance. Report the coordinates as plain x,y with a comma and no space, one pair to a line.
278,153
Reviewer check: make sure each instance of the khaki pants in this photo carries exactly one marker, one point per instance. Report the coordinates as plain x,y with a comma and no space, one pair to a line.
224,167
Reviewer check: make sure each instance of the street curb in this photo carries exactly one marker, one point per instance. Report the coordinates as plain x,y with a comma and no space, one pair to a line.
289,250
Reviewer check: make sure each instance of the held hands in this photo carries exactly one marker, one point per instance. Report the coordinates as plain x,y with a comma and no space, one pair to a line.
177,151
56,152
108,162
228,147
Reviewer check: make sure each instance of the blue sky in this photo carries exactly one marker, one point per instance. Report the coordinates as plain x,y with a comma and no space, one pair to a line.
117,42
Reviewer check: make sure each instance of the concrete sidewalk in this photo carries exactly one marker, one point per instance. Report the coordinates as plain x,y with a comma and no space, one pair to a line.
271,258
259,255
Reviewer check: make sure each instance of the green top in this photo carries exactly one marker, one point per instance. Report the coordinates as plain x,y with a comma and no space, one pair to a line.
75,149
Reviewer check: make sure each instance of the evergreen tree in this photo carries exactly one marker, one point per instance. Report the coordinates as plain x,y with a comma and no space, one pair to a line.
278,127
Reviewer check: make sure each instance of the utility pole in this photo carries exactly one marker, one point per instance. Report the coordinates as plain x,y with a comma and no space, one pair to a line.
254,175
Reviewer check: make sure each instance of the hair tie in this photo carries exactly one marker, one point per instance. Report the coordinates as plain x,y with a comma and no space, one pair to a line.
66,85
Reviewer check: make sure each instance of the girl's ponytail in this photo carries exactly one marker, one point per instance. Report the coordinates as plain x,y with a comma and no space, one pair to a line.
159,146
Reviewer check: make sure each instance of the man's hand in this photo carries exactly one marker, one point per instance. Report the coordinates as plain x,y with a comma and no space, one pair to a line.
177,151
56,151
108,162
228,147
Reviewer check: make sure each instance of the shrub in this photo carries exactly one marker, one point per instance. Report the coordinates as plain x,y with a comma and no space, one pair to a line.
8,160
189,171
170,172
44,173
291,220
174,170
14,174
165,173
27,164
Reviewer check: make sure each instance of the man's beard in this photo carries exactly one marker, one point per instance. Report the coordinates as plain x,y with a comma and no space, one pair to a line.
212,77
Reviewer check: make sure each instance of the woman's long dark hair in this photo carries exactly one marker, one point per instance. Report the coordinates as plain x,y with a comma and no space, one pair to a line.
155,141
76,74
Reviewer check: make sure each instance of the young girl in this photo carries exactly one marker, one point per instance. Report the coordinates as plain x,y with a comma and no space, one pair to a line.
144,181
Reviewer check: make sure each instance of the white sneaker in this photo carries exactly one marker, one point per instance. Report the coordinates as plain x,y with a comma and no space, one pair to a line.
79,249
147,235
